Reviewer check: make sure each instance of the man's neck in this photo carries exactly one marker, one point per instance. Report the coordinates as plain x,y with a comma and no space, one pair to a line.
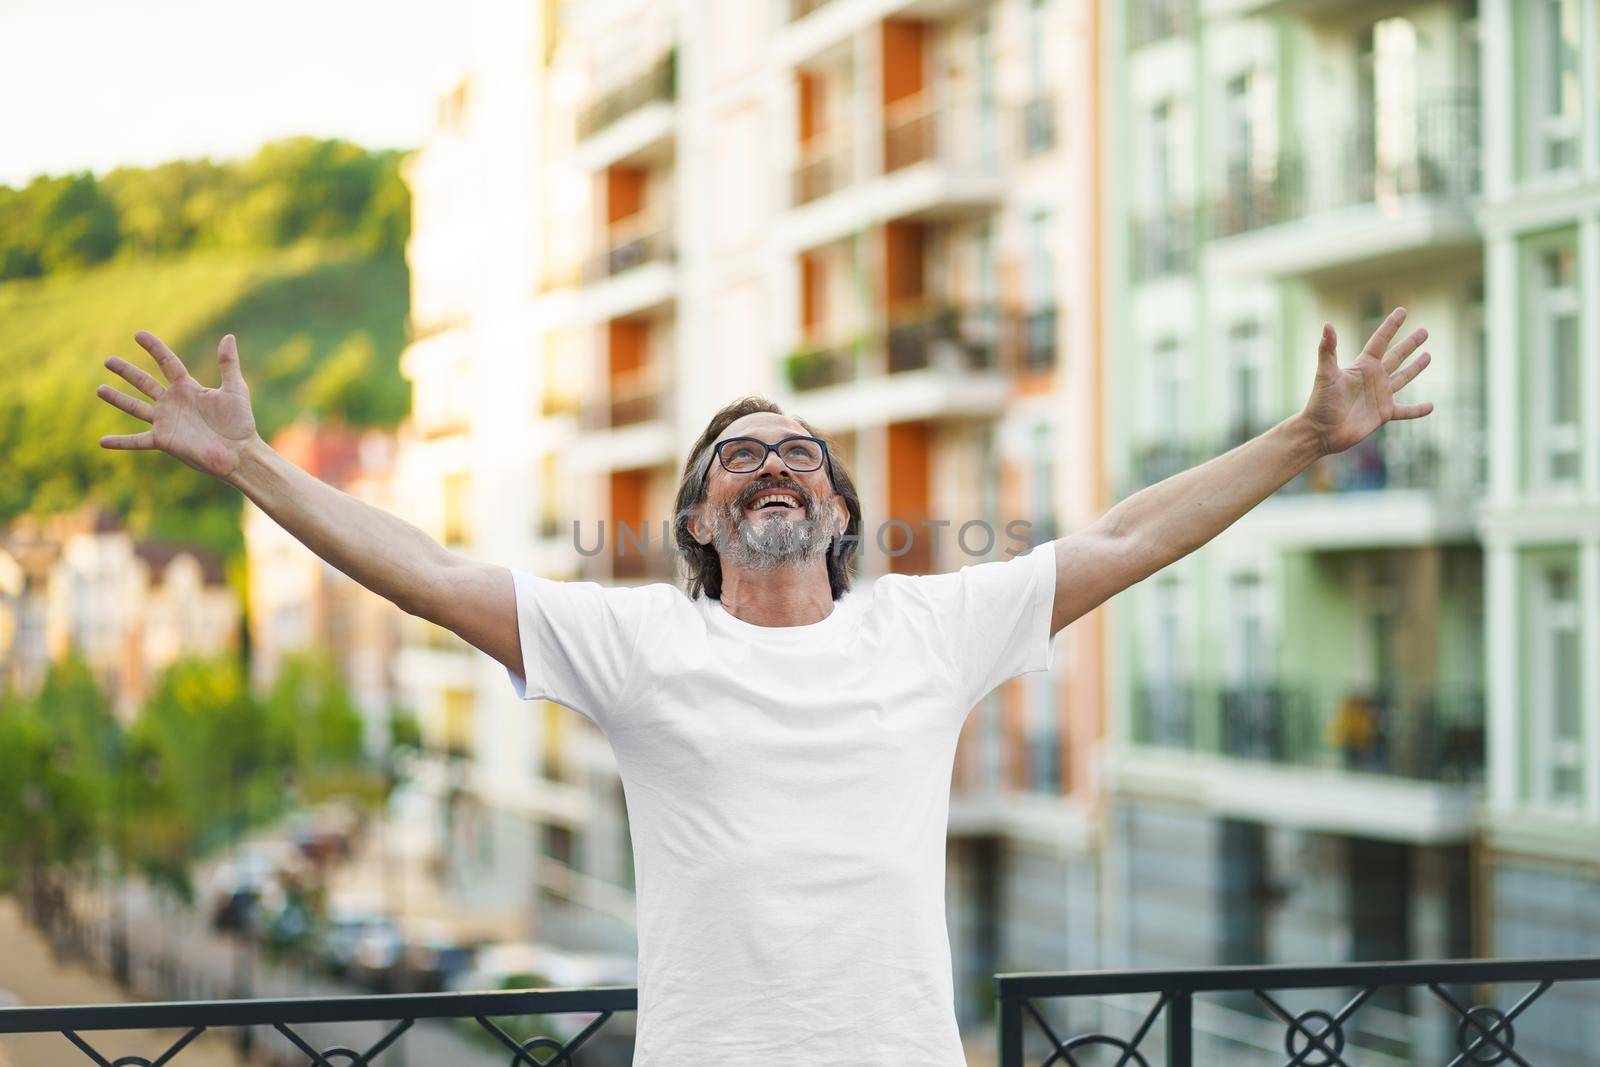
783,596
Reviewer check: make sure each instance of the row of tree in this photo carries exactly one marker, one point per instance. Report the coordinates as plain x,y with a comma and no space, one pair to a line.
204,759
290,190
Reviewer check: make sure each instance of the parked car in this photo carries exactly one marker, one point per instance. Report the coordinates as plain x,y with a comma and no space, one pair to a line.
432,955
347,924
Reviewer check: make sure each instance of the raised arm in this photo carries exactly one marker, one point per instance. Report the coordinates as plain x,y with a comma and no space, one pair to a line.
1164,522
214,431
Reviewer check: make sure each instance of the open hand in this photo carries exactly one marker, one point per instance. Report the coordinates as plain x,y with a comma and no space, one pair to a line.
1348,403
206,428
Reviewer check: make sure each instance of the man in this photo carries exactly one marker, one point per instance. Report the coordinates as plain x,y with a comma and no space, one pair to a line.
785,744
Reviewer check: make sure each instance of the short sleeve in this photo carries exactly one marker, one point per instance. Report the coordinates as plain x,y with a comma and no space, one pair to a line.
578,642
994,618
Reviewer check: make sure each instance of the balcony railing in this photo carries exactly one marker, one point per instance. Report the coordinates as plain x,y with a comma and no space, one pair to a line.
1444,453
630,244
921,129
1162,244
658,83
1434,734
1174,1029
1459,998
943,336
1155,20
496,1014
826,162
1435,155
631,397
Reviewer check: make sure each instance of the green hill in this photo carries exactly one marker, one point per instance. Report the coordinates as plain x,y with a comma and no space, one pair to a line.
320,328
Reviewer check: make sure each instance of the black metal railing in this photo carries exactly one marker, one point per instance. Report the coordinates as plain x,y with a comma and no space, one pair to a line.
1433,154
658,83
1167,1032
85,1027
1432,733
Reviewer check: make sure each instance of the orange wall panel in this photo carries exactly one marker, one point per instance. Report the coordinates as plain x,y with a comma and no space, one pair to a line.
628,340
910,468
624,193
904,45
904,253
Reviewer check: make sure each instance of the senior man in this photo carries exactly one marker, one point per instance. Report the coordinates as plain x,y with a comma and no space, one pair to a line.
785,742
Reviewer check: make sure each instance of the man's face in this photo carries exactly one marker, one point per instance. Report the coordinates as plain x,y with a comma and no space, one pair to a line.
772,516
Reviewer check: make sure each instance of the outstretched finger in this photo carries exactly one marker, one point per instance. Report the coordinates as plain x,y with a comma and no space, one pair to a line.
139,409
1399,378
1328,348
228,360
1383,336
1397,355
130,440
136,377
1412,411
169,363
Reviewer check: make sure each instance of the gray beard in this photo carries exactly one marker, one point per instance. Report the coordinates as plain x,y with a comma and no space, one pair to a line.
764,544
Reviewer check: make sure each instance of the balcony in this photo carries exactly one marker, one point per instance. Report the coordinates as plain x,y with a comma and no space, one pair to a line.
1389,195
825,165
1183,1018
633,397
1150,21
926,361
629,245
938,161
1429,735
1162,245
1412,481
633,273
658,84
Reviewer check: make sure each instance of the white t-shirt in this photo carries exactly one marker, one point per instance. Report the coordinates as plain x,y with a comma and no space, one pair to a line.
788,794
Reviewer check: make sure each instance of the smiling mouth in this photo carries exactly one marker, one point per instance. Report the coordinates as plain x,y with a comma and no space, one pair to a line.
775,500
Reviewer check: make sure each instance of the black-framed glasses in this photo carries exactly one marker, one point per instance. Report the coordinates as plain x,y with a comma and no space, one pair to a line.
744,455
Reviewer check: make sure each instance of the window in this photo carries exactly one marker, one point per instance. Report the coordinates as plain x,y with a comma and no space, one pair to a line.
1041,266
1388,92
1554,420
457,502
1166,391
1246,410
1043,495
1249,140
460,728
1557,749
1249,657
1550,58
1044,742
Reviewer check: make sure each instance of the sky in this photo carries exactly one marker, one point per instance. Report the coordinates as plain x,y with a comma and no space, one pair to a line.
91,84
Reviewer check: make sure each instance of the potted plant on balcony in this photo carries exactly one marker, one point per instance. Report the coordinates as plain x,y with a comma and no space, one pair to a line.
812,366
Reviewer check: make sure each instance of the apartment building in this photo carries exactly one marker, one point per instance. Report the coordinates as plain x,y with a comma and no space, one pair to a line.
879,213
1540,220
1300,708
299,603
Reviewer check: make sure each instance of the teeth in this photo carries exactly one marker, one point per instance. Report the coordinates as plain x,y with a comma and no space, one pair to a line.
782,498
